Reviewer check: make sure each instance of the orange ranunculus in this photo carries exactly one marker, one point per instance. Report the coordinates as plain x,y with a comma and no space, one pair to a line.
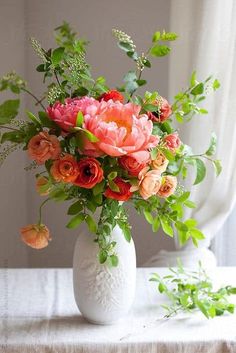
160,163
42,181
43,146
168,186
36,236
112,94
65,169
130,164
124,192
90,173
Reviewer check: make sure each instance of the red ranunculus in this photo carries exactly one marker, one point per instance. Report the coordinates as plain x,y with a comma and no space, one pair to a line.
90,173
132,166
172,141
112,94
124,192
163,112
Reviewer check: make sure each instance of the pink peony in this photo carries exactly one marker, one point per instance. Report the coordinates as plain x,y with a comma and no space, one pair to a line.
120,131
65,114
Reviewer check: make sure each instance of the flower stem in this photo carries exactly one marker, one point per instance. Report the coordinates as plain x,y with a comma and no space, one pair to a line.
32,95
9,128
40,210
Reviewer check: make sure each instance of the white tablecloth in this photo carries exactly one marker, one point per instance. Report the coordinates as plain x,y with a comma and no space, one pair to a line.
38,314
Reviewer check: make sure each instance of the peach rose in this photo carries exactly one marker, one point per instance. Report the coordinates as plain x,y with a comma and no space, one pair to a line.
90,173
65,169
43,146
168,186
42,181
160,163
36,236
149,183
132,166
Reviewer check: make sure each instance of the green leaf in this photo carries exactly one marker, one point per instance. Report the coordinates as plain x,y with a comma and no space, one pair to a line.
193,79
91,137
9,110
33,118
155,224
201,171
217,166
216,84
190,223
113,186
189,204
79,119
125,46
159,50
156,36
184,196
212,148
75,208
13,136
75,221
114,260
148,216
112,175
169,36
46,121
102,256
92,226
166,226
199,89
98,188
197,234
57,55
203,309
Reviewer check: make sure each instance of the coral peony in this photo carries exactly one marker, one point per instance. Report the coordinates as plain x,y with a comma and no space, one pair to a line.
36,236
163,110
112,94
65,115
90,173
43,146
121,131
172,141
168,186
160,163
42,182
65,169
124,192
132,166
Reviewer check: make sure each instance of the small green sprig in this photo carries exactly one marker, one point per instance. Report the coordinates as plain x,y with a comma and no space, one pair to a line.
189,291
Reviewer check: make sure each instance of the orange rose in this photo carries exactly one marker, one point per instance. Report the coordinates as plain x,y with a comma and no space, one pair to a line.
36,236
90,173
172,141
130,164
42,181
124,192
65,169
160,163
43,147
168,186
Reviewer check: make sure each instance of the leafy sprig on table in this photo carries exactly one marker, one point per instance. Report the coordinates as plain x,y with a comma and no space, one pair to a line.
189,291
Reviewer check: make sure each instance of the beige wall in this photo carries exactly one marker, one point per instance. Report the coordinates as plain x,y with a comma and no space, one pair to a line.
94,21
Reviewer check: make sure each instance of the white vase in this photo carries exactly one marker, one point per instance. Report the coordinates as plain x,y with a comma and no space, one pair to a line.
104,294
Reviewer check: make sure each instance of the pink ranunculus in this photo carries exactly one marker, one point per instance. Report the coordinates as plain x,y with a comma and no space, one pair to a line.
120,131
172,141
65,114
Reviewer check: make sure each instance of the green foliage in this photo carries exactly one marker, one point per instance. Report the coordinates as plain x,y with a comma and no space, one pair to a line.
187,103
191,291
8,111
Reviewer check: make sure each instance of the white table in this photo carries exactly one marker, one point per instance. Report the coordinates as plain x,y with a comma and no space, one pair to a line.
38,314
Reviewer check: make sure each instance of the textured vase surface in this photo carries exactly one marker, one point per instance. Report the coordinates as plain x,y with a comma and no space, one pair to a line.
104,294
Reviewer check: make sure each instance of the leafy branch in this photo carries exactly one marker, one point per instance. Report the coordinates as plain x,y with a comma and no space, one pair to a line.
189,291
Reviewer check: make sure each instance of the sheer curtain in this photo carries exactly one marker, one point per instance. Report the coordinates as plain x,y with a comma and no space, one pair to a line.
207,43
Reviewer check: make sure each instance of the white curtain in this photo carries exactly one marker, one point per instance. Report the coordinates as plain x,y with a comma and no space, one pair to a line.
207,44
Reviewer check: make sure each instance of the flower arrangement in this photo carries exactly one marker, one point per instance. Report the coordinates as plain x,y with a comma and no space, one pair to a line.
99,147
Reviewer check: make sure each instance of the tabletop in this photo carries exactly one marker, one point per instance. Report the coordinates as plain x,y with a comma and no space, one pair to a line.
38,314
